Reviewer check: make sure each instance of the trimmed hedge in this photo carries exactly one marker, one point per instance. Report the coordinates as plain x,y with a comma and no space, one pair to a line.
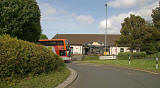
153,56
134,55
21,58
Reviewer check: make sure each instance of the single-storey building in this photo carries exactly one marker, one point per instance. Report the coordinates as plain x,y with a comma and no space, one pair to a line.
92,44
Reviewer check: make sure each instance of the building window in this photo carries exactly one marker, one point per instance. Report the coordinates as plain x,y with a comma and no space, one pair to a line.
121,49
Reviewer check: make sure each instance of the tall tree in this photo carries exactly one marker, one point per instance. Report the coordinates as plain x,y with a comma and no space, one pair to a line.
149,43
20,18
132,32
155,44
156,16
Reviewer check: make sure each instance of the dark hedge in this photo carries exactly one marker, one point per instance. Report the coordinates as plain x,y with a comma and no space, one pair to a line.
134,55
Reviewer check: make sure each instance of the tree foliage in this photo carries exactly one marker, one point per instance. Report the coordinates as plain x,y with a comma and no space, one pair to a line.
150,42
20,18
156,16
43,36
132,32
140,34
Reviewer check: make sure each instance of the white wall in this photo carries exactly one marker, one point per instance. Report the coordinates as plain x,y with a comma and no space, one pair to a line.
116,50
113,50
77,49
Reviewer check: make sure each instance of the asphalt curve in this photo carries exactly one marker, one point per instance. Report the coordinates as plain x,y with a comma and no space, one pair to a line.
100,76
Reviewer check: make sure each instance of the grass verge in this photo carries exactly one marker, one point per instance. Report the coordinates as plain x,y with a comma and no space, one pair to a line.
50,80
86,58
146,64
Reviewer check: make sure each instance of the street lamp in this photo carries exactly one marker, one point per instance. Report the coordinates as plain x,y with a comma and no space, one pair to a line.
106,31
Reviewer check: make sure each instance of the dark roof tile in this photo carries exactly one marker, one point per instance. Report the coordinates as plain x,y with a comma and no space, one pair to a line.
79,39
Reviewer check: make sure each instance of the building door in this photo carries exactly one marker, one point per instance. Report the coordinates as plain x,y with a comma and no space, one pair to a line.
86,51
71,50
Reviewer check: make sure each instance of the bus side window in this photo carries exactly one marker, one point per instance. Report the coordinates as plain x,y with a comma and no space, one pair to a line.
60,43
62,53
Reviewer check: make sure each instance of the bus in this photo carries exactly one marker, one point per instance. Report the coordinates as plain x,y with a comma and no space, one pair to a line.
61,47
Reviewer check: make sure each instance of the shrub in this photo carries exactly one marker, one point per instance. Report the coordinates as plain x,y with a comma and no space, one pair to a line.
43,36
123,55
20,58
138,55
134,55
153,56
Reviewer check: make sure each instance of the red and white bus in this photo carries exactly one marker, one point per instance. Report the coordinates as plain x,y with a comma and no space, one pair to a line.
59,46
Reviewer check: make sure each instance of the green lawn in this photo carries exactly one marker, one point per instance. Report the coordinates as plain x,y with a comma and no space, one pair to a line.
147,64
50,80
86,58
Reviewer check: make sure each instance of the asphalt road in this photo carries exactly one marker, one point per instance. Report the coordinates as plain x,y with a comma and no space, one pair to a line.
100,76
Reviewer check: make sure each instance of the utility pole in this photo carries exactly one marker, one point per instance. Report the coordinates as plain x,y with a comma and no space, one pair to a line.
106,31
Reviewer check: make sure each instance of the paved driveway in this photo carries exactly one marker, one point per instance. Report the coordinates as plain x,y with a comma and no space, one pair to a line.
100,76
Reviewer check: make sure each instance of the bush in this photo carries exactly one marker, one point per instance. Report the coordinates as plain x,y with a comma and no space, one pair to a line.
138,55
135,55
43,36
123,55
19,59
153,56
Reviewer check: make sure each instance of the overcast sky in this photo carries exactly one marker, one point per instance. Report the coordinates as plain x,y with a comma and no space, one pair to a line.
88,16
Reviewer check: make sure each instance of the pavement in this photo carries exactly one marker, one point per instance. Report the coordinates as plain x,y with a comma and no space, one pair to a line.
101,76
69,80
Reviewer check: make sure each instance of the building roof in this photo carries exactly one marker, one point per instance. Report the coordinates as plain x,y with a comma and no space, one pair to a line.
80,39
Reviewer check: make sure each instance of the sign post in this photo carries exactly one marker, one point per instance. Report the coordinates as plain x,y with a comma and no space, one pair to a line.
157,63
129,60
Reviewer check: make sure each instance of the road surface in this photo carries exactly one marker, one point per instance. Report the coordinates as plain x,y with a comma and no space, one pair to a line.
101,76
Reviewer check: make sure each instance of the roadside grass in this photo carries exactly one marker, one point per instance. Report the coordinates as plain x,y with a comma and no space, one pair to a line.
146,64
85,58
50,80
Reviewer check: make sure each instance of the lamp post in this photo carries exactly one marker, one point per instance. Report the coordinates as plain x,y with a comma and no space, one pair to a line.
106,31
